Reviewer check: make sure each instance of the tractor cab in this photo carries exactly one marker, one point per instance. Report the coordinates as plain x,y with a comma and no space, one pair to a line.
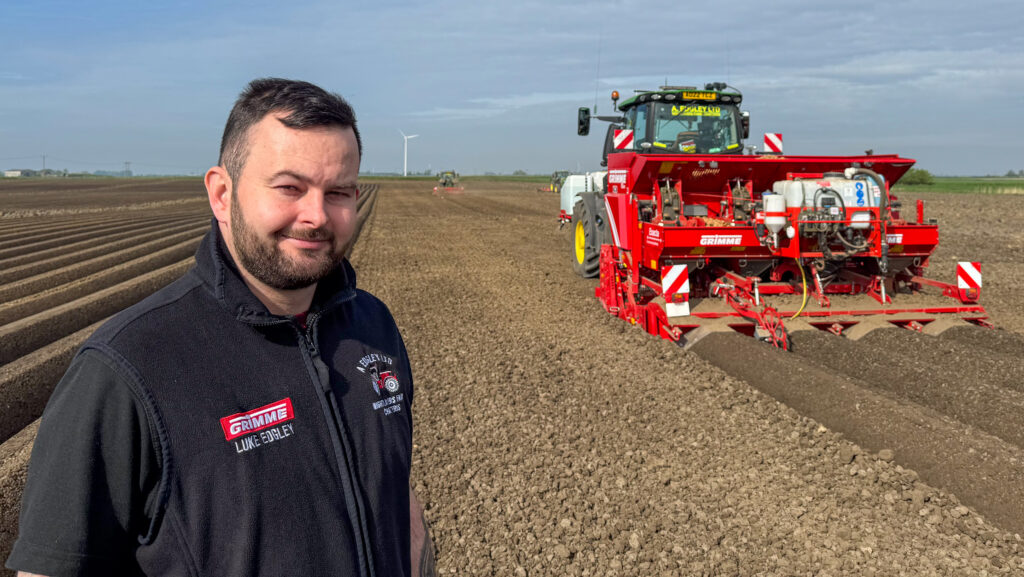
675,120
448,178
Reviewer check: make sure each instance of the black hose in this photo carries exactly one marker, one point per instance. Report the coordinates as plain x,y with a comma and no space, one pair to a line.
829,191
823,244
850,245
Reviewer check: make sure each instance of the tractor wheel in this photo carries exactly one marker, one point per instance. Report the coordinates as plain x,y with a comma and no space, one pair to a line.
586,246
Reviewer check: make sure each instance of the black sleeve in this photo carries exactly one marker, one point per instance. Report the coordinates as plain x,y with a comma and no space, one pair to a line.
93,477
411,393
407,366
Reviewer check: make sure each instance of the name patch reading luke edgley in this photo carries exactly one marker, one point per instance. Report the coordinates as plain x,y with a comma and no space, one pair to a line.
257,419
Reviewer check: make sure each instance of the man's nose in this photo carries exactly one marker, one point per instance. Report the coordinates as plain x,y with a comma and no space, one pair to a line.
312,209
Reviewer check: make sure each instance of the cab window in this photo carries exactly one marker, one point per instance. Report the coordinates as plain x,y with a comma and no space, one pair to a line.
637,121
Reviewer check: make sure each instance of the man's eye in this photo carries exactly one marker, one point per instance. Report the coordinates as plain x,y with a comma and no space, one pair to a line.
343,193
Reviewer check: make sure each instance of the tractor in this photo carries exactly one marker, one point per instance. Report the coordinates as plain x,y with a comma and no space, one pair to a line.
691,231
448,181
557,178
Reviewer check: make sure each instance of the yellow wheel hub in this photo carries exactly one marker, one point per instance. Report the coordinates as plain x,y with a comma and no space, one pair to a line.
581,243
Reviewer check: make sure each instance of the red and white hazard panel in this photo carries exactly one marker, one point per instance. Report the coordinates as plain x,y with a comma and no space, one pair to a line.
675,287
773,142
968,280
623,139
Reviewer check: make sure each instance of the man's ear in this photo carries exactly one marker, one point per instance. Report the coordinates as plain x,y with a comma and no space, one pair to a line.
219,190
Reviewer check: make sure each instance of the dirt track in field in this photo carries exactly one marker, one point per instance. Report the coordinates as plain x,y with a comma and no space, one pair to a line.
554,439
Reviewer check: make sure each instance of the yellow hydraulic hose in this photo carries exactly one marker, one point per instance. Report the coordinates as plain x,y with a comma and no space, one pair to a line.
803,279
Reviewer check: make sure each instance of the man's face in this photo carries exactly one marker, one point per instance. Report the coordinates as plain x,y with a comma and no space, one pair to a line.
293,208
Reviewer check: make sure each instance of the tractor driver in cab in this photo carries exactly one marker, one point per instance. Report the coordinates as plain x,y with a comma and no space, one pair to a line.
710,133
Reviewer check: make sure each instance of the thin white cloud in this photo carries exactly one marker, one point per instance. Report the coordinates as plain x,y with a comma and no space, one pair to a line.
449,114
532,99
477,108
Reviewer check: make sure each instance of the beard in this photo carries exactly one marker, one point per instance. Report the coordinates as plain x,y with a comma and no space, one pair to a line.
264,259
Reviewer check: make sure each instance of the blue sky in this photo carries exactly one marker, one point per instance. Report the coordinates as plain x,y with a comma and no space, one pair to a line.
494,86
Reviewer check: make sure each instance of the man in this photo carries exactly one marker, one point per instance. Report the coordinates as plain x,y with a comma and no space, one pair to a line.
252,418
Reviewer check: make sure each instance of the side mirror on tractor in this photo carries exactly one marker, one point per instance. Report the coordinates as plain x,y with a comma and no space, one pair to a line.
583,122
745,120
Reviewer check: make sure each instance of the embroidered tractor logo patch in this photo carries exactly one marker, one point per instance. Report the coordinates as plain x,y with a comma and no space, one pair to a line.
385,383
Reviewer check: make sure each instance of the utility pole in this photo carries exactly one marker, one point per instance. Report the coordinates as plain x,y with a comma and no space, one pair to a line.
43,173
127,168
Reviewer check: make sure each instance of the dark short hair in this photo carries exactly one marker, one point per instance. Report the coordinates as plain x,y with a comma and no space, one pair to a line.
307,106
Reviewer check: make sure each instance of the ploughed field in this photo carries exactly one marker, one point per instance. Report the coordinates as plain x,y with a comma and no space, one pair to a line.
554,439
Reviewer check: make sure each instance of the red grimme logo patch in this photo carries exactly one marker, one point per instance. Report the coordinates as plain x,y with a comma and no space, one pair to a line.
257,419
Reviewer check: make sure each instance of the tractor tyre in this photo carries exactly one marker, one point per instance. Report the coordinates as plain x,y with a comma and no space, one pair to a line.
586,244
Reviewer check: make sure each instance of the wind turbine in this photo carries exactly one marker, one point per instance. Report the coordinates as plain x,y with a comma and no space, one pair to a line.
405,156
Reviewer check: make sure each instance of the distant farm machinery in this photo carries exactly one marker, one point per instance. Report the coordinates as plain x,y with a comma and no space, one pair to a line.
692,232
448,181
557,179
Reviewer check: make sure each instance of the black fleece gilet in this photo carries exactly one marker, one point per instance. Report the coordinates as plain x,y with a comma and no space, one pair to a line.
211,437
